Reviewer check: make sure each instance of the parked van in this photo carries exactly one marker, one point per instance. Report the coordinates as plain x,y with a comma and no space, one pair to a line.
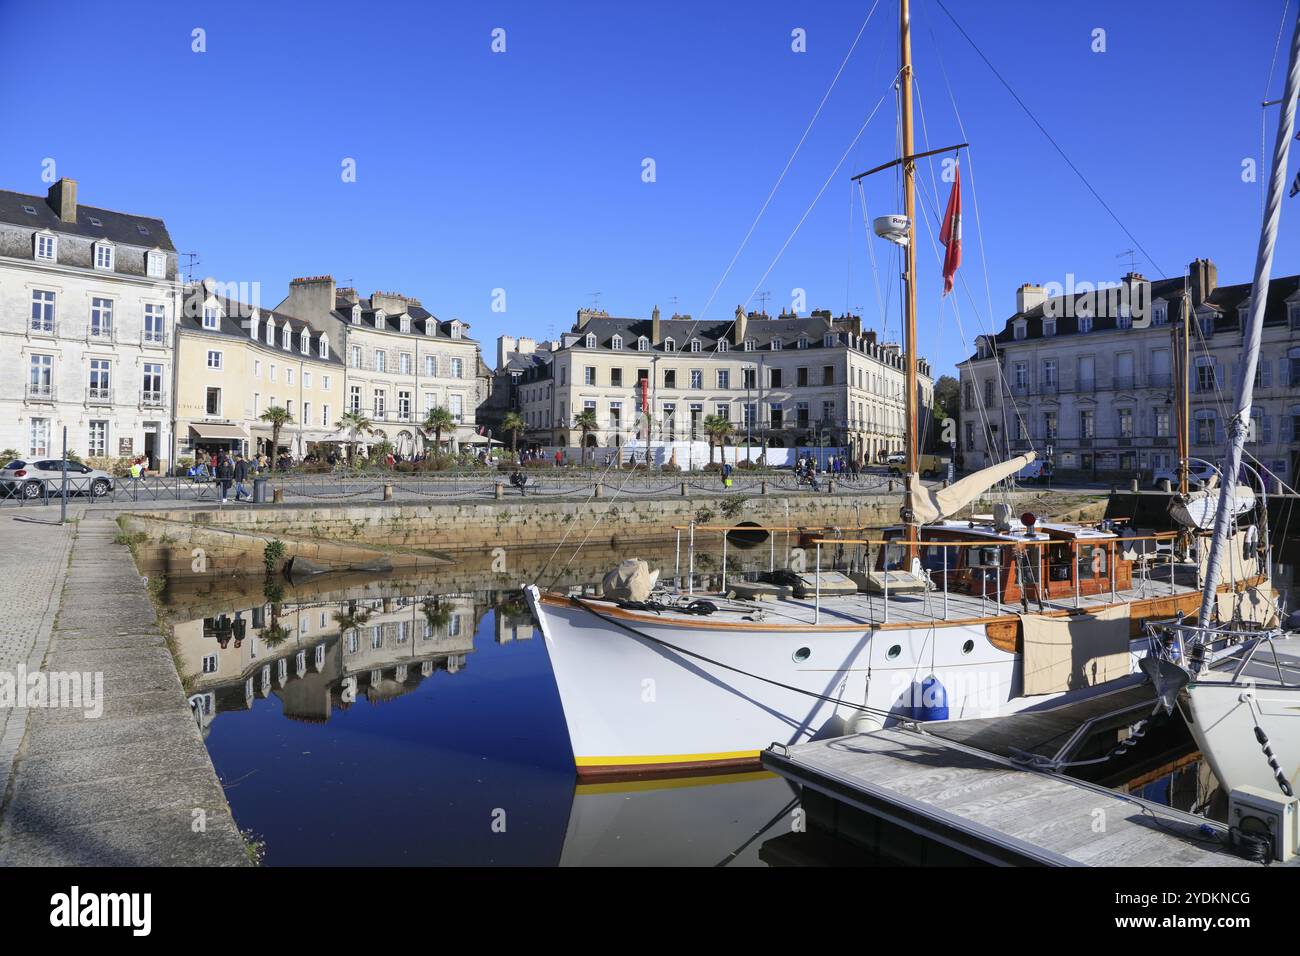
930,466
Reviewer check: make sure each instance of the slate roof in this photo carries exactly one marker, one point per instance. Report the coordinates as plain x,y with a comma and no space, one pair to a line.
233,314
420,317
118,227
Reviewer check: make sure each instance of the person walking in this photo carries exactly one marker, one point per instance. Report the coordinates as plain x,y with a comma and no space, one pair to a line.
225,475
241,476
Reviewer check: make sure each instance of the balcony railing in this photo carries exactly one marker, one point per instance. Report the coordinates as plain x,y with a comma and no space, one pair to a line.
1085,385
1161,441
1050,386
37,392
100,332
1159,380
151,399
42,326
1123,381
153,338
97,395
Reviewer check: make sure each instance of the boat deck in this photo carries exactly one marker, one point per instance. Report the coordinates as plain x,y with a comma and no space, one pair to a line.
912,609
990,809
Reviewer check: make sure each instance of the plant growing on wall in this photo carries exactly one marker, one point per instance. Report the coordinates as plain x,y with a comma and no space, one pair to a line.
272,555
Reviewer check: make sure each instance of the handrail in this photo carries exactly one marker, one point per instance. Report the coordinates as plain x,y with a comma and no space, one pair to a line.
995,542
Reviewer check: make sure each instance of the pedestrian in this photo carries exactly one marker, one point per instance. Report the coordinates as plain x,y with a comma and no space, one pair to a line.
241,476
137,469
225,475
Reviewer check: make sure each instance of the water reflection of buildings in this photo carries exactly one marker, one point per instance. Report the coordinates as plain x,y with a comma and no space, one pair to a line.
315,656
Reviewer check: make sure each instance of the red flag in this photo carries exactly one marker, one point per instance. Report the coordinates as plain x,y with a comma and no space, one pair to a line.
950,236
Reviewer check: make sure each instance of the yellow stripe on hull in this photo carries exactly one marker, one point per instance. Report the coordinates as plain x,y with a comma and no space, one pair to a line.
664,759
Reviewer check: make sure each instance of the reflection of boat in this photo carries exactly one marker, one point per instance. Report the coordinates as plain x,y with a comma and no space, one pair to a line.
696,821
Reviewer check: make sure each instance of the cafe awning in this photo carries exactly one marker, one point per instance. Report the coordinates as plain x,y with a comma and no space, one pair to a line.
208,432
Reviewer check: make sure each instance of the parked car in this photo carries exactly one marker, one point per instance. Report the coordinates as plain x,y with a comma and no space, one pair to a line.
1036,470
897,458
33,478
1198,472
929,466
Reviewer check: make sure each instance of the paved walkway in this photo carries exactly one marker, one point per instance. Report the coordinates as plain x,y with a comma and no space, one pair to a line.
131,787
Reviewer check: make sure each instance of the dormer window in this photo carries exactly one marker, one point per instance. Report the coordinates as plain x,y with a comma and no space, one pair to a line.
304,343
457,330
670,345
643,344
1049,328
1206,321
777,345
47,247
104,256
430,327
356,315
616,342
1160,314
982,348
155,265
802,343
324,346
695,345
270,331
381,318
723,345
1124,319
828,340
285,334
750,345
1085,324
210,316
406,323
254,325
590,340
1293,316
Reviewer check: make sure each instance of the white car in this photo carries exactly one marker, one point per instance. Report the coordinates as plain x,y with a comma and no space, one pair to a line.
44,477
1198,472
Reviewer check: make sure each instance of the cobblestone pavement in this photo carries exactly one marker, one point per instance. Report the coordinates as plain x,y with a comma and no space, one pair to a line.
36,557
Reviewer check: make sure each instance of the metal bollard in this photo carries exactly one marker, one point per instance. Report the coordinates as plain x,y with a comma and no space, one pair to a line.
388,492
1133,485
277,496
685,493
600,489
501,491
762,487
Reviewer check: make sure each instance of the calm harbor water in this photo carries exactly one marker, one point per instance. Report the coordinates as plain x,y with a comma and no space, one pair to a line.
365,722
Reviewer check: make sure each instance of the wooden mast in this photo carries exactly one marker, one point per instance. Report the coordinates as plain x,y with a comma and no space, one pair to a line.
909,253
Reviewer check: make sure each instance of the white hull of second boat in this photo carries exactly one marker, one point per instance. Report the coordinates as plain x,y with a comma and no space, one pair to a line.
643,696
1222,717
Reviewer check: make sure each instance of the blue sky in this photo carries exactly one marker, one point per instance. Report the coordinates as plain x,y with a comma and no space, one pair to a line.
523,170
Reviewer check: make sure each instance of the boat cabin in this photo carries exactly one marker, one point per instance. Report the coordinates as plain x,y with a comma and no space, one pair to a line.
1041,561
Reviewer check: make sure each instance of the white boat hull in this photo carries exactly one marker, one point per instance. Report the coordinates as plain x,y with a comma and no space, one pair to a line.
1222,718
672,698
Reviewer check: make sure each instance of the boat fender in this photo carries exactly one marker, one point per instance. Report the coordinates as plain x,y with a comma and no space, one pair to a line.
933,702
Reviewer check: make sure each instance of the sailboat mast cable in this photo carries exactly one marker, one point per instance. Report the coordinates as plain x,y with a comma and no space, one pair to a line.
1254,328
1263,112
1057,146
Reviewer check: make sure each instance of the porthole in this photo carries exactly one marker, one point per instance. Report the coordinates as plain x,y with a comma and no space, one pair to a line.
968,647
802,654
894,651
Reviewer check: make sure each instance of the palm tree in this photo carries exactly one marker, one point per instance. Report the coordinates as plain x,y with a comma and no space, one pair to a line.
356,424
277,417
585,422
437,420
719,430
514,424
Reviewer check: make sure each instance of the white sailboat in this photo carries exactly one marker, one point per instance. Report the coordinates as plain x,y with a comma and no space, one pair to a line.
953,618
1244,710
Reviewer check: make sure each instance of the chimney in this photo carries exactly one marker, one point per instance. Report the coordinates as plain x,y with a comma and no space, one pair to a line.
654,326
62,198
348,296
1205,278
1029,296
505,345
312,299
740,327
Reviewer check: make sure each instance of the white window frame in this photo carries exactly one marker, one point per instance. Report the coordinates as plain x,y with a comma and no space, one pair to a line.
104,256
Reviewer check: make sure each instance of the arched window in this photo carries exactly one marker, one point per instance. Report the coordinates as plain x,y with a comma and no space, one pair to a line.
643,344
723,345
356,315
270,331
670,345
324,346
285,334
305,342
695,345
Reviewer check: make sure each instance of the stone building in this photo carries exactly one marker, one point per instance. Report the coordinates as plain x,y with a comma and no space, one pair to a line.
782,382
401,359
88,299
235,360
1089,377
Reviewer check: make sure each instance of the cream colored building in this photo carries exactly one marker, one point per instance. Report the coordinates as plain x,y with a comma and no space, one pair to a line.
234,360
788,381
402,361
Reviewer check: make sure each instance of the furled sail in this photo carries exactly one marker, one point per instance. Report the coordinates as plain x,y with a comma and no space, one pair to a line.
933,504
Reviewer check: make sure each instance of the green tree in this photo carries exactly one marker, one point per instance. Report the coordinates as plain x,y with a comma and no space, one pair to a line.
355,424
514,424
437,420
718,430
277,417
585,422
